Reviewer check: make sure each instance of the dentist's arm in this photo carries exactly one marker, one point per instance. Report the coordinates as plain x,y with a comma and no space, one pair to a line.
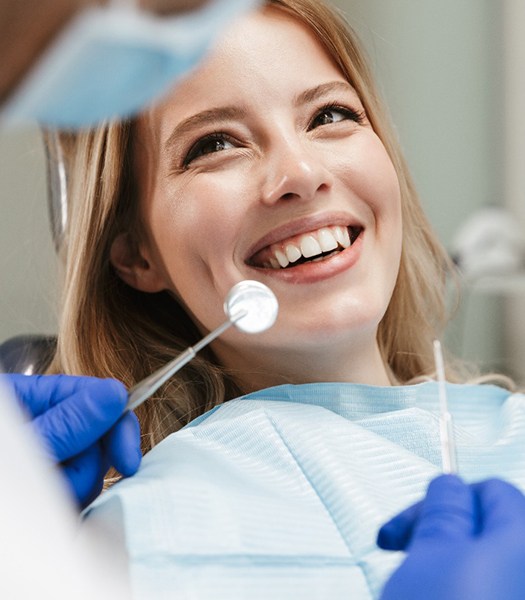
78,420
464,542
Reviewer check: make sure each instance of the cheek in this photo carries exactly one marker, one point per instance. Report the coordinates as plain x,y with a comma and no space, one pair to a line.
195,223
211,212
369,174
372,180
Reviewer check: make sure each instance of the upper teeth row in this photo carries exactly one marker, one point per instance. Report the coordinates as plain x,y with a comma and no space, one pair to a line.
308,245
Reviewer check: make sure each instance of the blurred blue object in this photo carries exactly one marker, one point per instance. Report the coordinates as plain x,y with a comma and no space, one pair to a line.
113,60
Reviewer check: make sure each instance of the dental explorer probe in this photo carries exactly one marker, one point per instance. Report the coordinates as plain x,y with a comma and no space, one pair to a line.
250,305
446,429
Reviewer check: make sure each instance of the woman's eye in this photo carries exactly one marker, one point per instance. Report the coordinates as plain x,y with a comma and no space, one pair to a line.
330,115
207,145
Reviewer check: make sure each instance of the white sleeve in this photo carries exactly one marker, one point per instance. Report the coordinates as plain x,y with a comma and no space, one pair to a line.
41,555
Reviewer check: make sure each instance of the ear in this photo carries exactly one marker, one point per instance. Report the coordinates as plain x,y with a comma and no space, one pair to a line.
132,267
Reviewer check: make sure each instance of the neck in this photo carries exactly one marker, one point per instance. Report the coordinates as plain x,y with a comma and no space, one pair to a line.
272,367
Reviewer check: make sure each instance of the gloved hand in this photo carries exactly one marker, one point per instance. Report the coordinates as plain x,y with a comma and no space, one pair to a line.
78,420
464,542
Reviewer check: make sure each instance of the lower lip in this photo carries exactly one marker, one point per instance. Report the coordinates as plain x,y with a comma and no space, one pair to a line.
313,272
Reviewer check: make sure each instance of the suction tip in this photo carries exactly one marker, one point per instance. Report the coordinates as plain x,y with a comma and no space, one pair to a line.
257,301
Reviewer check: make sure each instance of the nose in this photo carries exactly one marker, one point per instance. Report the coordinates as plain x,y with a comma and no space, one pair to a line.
294,171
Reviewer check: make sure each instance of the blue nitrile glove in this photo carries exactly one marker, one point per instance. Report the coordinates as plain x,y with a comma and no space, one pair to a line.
464,542
78,420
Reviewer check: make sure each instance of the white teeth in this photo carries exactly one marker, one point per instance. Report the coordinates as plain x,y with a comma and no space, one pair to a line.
342,236
292,253
326,240
339,235
310,246
283,261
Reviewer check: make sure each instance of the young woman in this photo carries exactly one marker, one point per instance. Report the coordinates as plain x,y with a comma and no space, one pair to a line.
272,161
112,327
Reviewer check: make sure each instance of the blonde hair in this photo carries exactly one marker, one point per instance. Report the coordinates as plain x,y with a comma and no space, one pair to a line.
108,329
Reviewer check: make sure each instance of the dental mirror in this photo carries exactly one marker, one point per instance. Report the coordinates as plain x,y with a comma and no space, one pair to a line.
250,305
256,301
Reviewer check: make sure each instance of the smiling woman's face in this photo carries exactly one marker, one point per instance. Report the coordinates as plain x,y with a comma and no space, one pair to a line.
262,165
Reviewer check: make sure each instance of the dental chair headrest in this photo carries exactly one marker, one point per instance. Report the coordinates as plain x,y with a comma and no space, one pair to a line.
27,354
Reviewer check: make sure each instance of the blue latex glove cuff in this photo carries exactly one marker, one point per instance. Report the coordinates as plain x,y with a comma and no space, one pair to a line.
78,419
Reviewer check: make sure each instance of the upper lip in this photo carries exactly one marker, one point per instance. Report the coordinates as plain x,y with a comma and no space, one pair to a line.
303,225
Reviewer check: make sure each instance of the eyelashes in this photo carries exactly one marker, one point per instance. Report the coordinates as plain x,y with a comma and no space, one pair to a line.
327,115
209,144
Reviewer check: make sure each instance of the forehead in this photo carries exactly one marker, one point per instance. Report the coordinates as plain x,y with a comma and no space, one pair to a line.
264,57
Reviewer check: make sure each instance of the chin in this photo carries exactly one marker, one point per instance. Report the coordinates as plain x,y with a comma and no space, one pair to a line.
333,333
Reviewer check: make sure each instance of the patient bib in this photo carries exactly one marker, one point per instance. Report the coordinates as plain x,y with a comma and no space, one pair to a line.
279,494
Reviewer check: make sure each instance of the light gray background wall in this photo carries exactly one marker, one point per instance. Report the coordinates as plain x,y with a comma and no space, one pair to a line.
439,64
28,274
514,17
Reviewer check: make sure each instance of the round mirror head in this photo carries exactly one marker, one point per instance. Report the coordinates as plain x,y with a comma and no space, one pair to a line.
257,301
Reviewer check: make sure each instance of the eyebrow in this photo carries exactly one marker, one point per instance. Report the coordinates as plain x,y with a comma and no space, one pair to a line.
322,90
231,113
206,117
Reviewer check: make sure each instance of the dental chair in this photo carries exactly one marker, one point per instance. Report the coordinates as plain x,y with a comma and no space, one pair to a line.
27,354
32,353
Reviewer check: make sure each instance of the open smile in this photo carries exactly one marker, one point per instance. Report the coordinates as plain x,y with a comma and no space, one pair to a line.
313,246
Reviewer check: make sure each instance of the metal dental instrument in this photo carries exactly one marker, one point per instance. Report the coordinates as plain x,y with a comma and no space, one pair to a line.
446,430
250,305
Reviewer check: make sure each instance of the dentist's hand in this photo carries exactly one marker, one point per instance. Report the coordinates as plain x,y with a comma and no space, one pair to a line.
464,542
78,419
